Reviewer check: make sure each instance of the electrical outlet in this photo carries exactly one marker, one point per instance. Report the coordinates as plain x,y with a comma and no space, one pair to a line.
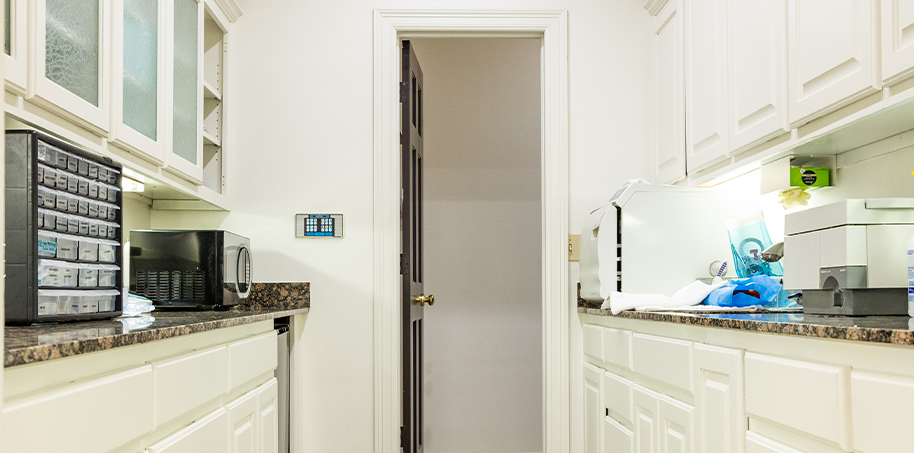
574,244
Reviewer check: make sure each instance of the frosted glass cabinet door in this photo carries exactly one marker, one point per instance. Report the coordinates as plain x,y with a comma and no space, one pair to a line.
15,65
72,60
187,91
139,92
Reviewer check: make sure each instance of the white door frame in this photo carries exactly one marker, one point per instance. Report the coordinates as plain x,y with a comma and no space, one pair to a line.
391,25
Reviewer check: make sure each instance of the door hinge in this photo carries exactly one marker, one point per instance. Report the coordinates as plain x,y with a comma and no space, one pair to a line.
402,435
404,92
403,264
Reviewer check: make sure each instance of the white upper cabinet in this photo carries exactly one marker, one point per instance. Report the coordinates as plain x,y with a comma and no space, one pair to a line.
757,75
706,82
669,118
71,65
15,63
831,55
185,105
138,110
897,40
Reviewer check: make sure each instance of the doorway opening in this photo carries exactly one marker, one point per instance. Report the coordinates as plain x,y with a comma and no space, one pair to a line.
556,308
481,129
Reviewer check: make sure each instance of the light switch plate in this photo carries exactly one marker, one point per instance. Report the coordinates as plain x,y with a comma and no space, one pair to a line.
574,242
319,225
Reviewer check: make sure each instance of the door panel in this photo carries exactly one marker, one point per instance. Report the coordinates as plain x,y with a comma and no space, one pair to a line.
721,415
646,420
757,76
593,408
411,246
897,40
669,124
706,82
831,44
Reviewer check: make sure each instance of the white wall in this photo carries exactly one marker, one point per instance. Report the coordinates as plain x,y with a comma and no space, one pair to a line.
302,134
483,229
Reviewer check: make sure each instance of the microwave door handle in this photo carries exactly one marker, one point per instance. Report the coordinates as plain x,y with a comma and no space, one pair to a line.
241,268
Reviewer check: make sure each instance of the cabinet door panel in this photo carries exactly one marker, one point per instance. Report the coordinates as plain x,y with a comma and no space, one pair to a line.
897,40
616,438
706,82
675,426
669,120
759,444
242,414
186,104
139,78
721,414
209,434
757,72
646,423
70,68
268,416
617,397
593,408
15,63
882,406
831,44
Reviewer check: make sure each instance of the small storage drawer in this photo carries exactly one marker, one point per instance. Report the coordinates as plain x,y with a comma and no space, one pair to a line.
187,381
756,443
593,341
617,397
878,401
810,397
616,438
251,357
617,347
664,359
85,417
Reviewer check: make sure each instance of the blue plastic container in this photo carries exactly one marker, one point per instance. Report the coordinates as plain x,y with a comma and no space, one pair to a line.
748,238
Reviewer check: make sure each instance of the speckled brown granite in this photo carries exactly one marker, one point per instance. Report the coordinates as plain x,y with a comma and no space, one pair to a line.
279,295
30,344
898,330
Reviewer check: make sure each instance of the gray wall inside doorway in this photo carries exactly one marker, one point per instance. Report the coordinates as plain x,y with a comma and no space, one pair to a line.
483,337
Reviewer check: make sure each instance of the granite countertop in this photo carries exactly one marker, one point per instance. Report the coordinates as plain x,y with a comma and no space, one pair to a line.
38,343
898,330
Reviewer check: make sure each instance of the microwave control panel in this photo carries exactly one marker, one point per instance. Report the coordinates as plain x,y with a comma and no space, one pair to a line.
319,225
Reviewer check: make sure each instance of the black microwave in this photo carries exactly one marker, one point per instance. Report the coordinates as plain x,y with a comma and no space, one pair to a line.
196,269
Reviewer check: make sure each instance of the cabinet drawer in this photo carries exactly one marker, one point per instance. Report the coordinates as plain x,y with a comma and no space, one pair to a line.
251,357
92,416
617,397
664,359
809,397
593,341
209,434
617,347
187,381
882,412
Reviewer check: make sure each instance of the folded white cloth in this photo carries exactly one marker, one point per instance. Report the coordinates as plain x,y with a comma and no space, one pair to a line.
691,294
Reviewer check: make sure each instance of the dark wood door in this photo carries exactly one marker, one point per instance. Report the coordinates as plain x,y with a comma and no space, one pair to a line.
411,258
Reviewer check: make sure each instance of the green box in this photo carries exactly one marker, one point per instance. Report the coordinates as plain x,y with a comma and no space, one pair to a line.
808,177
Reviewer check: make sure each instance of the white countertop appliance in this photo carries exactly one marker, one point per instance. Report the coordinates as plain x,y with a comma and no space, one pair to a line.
849,257
652,239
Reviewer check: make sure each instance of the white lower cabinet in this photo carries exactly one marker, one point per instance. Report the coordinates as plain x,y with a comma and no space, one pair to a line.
209,434
646,422
616,438
675,428
759,444
593,408
268,417
877,400
174,397
719,402
243,417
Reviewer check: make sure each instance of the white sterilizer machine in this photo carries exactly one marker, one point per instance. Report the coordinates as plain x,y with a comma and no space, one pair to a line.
849,257
653,239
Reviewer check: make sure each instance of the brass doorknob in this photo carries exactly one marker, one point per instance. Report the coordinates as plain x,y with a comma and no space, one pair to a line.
423,299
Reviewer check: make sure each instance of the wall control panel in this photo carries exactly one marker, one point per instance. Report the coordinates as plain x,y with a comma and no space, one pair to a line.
319,225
